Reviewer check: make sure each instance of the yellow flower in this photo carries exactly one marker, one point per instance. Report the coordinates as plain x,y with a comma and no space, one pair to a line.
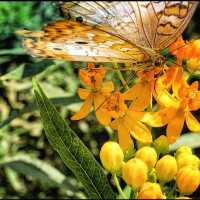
185,159
187,180
112,156
166,168
150,191
148,155
134,173
97,92
177,106
183,149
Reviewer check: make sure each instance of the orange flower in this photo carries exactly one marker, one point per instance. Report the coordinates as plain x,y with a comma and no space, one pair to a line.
141,93
97,92
178,48
113,107
185,98
193,64
125,121
189,51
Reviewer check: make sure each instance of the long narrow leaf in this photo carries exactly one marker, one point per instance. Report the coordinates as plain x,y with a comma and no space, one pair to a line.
71,149
28,165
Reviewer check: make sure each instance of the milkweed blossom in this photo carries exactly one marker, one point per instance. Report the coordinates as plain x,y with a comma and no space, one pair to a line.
160,97
188,51
130,111
97,91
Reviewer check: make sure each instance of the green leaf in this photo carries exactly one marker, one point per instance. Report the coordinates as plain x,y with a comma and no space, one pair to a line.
16,51
32,106
27,70
40,170
71,149
14,180
190,139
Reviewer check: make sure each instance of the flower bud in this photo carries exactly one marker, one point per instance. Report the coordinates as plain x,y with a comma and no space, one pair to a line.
161,145
183,149
151,191
148,155
111,156
182,197
134,172
166,168
187,180
185,159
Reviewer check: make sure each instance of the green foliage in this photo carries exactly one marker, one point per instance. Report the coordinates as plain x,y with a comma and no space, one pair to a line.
15,15
73,152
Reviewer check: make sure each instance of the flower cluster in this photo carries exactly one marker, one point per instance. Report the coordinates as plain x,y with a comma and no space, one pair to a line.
187,51
148,175
160,97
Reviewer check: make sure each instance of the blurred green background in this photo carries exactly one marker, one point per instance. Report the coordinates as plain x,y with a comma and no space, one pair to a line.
29,168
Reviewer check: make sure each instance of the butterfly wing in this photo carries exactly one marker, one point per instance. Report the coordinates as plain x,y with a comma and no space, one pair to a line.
151,24
74,41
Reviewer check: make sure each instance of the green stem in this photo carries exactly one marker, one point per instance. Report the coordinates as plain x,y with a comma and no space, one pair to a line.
134,194
119,187
120,76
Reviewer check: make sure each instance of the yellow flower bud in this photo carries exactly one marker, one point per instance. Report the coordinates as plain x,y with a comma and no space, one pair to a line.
148,155
166,168
161,145
183,149
151,191
134,172
183,197
111,156
187,180
185,159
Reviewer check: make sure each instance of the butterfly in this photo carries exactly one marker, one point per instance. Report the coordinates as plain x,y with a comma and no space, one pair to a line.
111,31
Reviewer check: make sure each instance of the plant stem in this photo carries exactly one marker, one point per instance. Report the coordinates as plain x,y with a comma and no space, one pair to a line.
120,76
119,187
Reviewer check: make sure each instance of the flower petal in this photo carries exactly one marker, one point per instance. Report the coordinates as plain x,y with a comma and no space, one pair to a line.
102,117
178,82
124,137
192,122
107,87
83,93
114,124
84,76
165,99
142,96
175,126
140,132
84,110
159,118
99,100
194,103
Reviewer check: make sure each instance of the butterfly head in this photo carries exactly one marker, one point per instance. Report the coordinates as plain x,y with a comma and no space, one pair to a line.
158,60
